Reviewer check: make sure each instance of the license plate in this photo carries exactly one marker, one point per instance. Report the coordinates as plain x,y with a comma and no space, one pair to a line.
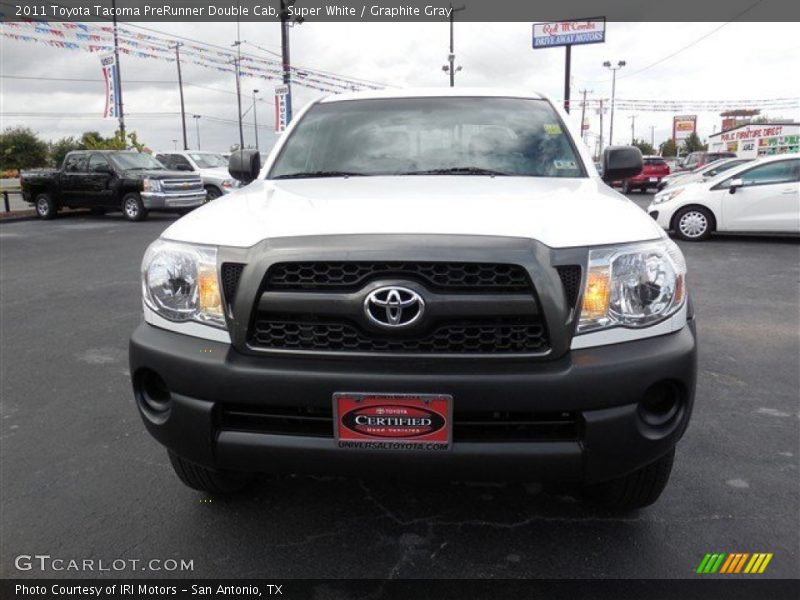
654,179
405,422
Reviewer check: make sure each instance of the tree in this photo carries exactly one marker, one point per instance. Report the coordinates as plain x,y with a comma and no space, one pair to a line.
668,148
92,140
20,148
693,143
60,148
645,147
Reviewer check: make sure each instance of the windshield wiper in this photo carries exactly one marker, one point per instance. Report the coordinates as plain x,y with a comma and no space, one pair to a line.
313,174
456,171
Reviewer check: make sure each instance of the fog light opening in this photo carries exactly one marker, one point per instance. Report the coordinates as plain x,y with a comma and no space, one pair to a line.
661,404
154,392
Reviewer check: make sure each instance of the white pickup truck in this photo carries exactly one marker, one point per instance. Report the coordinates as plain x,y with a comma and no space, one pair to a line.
431,283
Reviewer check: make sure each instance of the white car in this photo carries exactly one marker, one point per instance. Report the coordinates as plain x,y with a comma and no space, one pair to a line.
705,172
759,196
212,167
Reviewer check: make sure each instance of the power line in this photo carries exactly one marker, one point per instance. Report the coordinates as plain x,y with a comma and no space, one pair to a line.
686,47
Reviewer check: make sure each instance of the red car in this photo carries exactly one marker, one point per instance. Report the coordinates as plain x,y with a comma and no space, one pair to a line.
654,168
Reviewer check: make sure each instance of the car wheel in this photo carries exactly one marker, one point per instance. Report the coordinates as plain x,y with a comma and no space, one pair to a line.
693,224
45,207
208,480
626,187
132,207
212,193
636,490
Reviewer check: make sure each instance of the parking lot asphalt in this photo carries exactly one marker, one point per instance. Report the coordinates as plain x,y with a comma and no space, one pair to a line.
80,477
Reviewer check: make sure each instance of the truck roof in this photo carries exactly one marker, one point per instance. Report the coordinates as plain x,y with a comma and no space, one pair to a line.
461,92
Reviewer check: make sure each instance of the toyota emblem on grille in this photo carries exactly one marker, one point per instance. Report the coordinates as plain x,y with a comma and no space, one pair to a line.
394,307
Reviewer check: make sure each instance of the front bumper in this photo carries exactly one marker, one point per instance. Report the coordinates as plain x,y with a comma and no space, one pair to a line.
161,201
603,385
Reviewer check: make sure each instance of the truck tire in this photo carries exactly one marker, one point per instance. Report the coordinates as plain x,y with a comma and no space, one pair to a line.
45,206
208,480
636,490
693,223
212,193
132,207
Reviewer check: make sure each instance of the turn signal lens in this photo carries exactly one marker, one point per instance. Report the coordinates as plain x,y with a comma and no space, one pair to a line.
209,298
597,294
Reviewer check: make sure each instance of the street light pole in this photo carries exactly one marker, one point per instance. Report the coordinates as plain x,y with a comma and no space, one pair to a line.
451,57
255,118
614,70
197,127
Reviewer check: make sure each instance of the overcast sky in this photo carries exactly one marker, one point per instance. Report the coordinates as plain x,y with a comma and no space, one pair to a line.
739,61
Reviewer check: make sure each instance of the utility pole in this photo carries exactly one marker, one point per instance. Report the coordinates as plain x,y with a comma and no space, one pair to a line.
451,57
653,135
614,70
255,118
567,68
286,59
180,87
119,74
236,62
197,126
633,120
600,153
583,110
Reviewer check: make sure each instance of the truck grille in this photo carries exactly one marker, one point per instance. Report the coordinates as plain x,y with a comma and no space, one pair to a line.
499,337
571,280
470,426
183,185
472,277
473,309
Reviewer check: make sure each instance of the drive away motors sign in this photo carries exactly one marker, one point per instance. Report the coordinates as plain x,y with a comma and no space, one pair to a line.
569,33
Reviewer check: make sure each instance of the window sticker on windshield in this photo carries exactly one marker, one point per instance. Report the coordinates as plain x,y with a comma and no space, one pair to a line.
564,164
552,128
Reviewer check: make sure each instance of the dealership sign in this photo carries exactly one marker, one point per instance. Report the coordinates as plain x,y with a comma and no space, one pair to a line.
281,108
683,126
568,33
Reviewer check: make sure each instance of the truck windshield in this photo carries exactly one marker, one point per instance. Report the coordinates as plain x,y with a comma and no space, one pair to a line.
132,161
429,136
209,161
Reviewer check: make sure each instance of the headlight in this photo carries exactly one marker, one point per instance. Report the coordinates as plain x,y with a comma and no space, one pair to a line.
151,185
633,286
229,184
180,283
667,196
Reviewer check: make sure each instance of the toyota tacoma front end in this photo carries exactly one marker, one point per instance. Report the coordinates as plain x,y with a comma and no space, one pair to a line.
423,284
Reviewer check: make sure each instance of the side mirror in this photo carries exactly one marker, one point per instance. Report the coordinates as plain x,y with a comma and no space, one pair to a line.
245,165
735,183
621,162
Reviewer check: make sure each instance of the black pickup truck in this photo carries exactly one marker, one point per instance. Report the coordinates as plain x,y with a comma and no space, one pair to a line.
106,180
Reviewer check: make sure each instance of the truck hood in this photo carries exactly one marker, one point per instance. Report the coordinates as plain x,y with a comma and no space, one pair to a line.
215,173
156,174
558,212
